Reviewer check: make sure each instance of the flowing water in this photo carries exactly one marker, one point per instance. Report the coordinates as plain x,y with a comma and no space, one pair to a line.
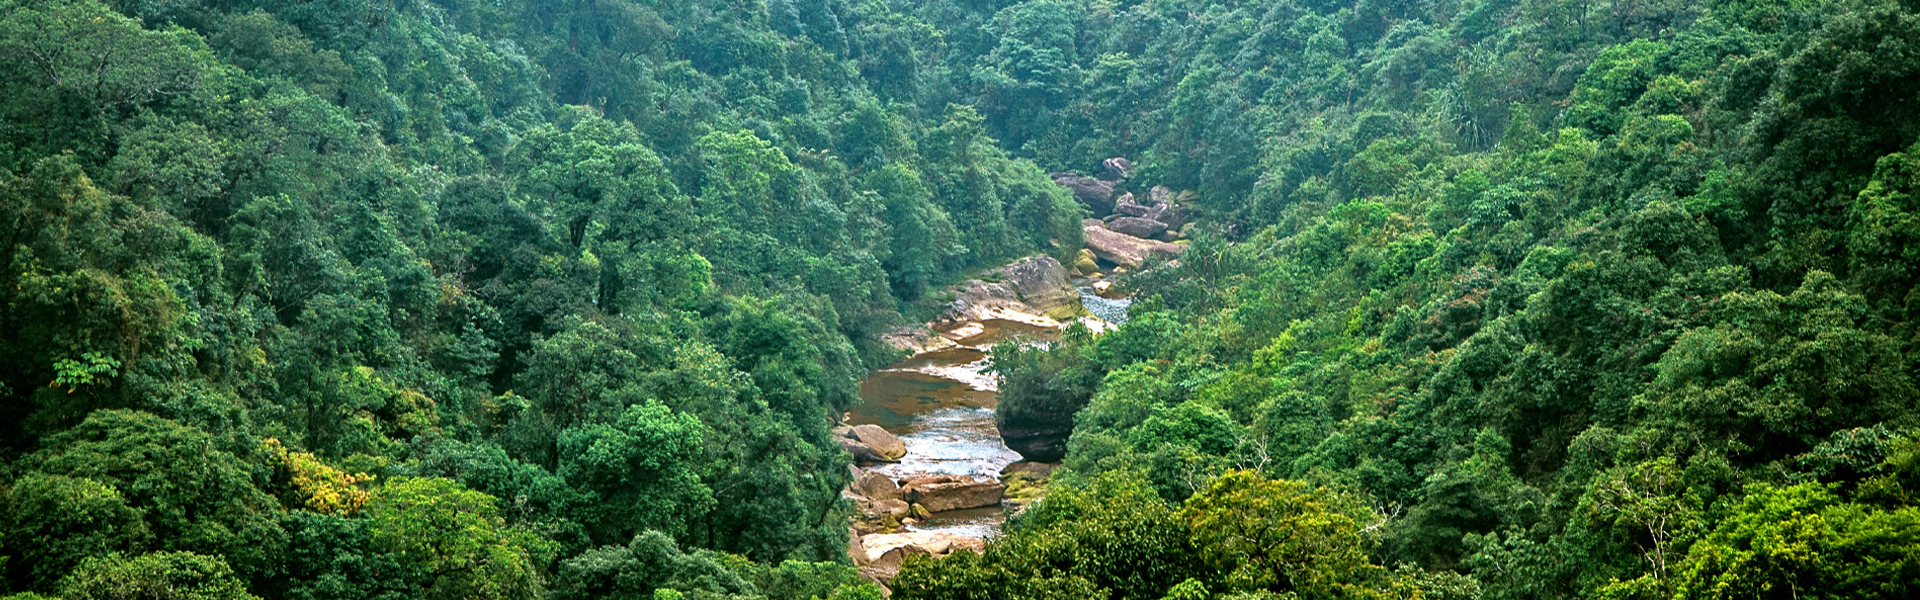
1111,310
940,404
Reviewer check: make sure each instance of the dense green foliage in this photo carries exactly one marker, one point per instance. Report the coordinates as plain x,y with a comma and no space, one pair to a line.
1599,300
1488,298
458,300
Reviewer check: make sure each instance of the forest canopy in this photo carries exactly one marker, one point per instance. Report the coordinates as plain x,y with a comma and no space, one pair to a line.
561,299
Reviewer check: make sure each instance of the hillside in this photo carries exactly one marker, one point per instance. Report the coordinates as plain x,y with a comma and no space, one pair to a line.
564,299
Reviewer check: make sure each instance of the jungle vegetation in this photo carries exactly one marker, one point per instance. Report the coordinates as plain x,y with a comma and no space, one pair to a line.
318,299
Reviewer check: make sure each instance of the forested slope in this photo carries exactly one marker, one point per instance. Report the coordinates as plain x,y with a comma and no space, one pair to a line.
1490,298
464,300
1523,299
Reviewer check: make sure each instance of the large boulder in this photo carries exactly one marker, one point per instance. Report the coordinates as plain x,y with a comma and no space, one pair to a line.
1159,195
1124,250
862,452
896,508
940,495
1085,262
856,551
1174,215
1116,168
884,563
1095,194
882,443
875,486
1137,227
914,339
1035,291
1127,208
1042,283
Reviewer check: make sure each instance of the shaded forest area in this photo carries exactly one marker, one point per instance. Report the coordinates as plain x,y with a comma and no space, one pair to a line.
560,299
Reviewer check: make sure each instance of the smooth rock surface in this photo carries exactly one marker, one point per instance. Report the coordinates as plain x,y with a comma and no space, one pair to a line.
875,486
856,550
1095,194
1041,283
883,564
943,496
882,443
915,340
1139,227
1036,291
1125,250
861,452
1130,209
896,508
937,543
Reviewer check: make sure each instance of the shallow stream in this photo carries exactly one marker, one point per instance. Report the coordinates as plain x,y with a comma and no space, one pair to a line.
940,404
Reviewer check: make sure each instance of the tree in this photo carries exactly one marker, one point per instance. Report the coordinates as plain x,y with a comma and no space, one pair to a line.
1283,536
454,541
642,472
1778,370
54,522
1802,541
194,495
156,576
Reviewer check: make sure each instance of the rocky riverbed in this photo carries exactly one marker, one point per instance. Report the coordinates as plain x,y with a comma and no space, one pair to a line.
933,474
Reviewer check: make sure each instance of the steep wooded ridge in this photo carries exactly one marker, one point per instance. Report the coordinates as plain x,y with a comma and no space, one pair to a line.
562,299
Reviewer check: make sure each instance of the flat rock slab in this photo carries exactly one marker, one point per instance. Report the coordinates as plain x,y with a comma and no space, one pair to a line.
1125,250
937,543
941,496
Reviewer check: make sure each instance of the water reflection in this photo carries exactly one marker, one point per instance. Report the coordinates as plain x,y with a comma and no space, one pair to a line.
940,404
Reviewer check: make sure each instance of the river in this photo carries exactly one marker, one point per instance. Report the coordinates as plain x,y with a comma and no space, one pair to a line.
940,404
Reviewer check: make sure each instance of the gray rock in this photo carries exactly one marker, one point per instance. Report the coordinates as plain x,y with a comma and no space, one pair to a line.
1042,283
862,452
1130,209
896,508
875,486
1120,249
1117,168
1137,227
1095,194
1175,216
1159,195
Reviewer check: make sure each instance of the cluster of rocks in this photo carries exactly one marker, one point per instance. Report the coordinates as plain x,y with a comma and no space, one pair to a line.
876,543
1127,228
1033,290
880,555
886,505
1036,291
